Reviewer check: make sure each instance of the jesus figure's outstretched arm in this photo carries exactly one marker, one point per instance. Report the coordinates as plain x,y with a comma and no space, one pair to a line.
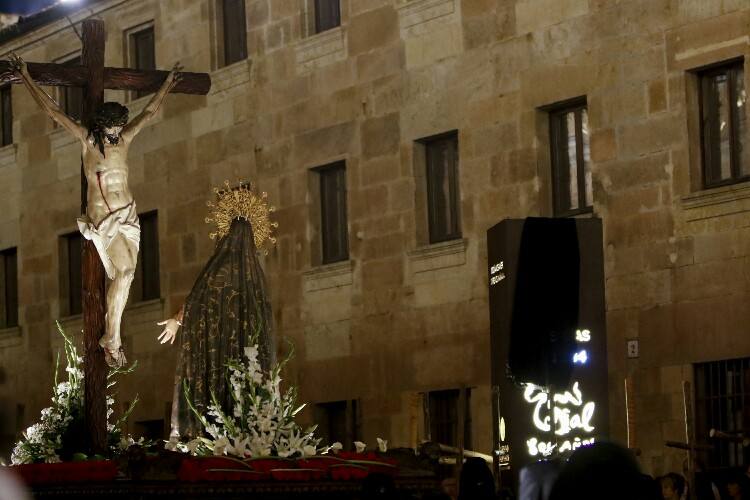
45,101
131,129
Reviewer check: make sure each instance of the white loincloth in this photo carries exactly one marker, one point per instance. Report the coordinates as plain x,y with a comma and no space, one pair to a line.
123,221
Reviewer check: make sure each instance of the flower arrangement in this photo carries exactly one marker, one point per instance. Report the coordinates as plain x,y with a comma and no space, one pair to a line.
261,422
52,438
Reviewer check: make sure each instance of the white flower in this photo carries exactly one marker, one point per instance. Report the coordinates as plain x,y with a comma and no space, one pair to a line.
382,445
336,447
360,446
193,445
251,353
220,445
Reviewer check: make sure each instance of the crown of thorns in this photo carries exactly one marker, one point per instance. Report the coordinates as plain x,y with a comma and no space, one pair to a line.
111,114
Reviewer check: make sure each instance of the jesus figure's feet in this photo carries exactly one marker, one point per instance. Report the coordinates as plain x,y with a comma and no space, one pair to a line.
115,358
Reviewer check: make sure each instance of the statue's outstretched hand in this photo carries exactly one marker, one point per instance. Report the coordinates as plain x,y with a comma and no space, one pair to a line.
18,64
170,330
175,76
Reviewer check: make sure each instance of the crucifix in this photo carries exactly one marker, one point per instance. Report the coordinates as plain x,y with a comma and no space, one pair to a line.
109,223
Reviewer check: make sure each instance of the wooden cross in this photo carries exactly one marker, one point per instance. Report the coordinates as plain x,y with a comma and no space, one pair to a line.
94,78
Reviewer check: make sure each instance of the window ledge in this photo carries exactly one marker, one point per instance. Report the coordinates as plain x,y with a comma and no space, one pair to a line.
10,336
329,276
417,17
8,155
230,76
438,255
320,49
716,202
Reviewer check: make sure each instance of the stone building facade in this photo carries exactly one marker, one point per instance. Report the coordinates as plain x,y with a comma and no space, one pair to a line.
403,317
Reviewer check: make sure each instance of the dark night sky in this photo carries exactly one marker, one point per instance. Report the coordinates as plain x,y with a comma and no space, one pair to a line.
24,7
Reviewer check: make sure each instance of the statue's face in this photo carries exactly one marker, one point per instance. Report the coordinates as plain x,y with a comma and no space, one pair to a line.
112,134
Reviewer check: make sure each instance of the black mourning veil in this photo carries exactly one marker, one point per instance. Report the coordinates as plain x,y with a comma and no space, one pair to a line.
228,301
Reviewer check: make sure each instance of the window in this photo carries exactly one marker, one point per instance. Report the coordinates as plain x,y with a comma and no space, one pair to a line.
441,156
71,98
723,125
70,288
442,417
146,285
327,15
6,118
234,30
9,288
337,422
333,223
722,402
142,54
571,160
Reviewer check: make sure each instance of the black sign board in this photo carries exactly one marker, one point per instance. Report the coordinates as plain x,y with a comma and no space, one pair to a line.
548,337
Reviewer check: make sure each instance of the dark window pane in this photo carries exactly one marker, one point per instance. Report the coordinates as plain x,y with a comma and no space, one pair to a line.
723,125
8,288
6,120
71,98
148,256
335,235
75,242
337,422
144,56
235,31
327,15
571,160
442,188
444,417
10,258
739,111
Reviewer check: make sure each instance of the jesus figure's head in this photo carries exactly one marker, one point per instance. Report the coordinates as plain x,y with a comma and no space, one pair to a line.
108,123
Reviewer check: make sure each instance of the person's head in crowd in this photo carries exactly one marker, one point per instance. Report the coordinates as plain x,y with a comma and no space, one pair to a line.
476,481
736,488
602,470
672,486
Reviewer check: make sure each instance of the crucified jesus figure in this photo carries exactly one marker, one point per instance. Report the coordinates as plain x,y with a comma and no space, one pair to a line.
111,220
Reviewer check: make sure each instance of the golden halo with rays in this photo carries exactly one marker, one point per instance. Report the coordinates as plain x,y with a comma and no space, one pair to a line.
241,202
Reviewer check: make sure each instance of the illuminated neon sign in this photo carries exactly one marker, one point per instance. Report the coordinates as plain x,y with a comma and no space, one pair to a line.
567,415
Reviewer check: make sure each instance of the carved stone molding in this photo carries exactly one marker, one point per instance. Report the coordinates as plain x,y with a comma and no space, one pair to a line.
417,17
230,76
321,49
329,276
8,155
10,337
725,200
438,256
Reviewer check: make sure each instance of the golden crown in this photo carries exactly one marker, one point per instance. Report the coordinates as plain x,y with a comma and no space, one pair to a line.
241,202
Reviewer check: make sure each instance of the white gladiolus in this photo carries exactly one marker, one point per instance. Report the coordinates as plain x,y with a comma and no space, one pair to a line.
42,441
260,422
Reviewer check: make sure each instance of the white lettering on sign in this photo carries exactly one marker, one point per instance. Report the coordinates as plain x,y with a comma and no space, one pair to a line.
566,414
545,448
581,357
497,279
583,336
496,273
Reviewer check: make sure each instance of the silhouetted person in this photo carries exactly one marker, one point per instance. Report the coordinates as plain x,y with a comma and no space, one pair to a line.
537,479
672,486
602,470
476,481
738,488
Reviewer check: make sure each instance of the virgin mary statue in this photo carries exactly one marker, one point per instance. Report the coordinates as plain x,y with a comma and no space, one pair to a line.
226,310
